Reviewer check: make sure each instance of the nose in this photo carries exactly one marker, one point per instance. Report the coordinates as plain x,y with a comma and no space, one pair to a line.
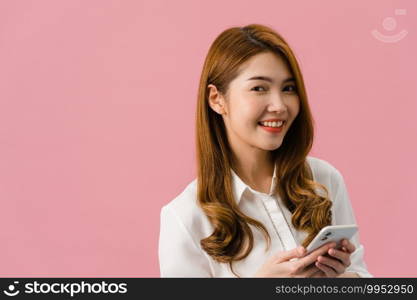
277,103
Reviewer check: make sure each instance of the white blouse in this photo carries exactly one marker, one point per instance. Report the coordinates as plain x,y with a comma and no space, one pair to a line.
184,224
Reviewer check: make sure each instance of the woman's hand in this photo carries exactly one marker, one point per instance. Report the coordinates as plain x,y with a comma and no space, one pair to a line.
336,264
293,263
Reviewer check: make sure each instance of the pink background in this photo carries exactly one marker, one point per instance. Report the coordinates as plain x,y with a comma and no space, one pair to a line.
97,103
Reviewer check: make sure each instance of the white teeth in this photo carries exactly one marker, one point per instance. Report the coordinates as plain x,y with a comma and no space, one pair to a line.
272,124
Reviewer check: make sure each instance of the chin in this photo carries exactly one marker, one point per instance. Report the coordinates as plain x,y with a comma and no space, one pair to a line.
272,147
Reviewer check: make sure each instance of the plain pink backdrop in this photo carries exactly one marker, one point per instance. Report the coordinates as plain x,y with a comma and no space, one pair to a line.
97,103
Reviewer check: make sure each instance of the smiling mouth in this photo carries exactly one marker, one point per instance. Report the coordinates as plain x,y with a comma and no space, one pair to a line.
271,124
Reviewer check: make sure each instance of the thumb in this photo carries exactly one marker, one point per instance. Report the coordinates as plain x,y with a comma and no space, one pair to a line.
293,253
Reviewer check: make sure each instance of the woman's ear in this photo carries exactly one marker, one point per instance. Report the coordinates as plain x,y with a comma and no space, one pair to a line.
216,100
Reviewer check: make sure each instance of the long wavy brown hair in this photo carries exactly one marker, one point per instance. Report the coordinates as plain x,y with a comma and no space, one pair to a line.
232,238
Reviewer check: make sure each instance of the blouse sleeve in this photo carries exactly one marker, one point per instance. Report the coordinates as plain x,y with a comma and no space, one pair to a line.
343,214
179,255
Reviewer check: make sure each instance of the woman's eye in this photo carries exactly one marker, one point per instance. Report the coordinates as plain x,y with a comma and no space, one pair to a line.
290,88
256,87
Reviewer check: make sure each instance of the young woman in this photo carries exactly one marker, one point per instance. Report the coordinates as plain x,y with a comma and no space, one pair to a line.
258,199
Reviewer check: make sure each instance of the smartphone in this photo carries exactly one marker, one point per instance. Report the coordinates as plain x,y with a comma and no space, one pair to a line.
333,233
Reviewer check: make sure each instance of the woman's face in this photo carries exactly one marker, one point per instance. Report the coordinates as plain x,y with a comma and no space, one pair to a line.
251,100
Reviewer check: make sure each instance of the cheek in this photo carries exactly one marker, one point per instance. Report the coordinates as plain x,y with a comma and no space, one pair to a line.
252,111
295,106
246,113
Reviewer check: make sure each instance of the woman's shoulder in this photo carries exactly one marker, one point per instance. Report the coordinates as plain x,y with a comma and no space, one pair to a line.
186,198
321,167
185,207
324,172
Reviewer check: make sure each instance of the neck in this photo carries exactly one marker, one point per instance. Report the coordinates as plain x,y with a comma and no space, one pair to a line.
254,168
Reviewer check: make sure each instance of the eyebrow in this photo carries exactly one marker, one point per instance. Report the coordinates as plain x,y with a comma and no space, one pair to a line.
269,79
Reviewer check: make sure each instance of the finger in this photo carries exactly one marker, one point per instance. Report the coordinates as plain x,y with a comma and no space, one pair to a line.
310,271
329,272
335,264
318,274
348,245
344,257
312,257
287,255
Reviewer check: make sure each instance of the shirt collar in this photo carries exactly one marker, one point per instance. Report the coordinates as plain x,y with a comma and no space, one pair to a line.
239,187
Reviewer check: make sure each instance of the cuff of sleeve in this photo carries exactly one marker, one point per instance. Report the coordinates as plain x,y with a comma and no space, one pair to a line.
365,274
361,273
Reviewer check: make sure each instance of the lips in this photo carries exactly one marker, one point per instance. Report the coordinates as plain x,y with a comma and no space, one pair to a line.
272,129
